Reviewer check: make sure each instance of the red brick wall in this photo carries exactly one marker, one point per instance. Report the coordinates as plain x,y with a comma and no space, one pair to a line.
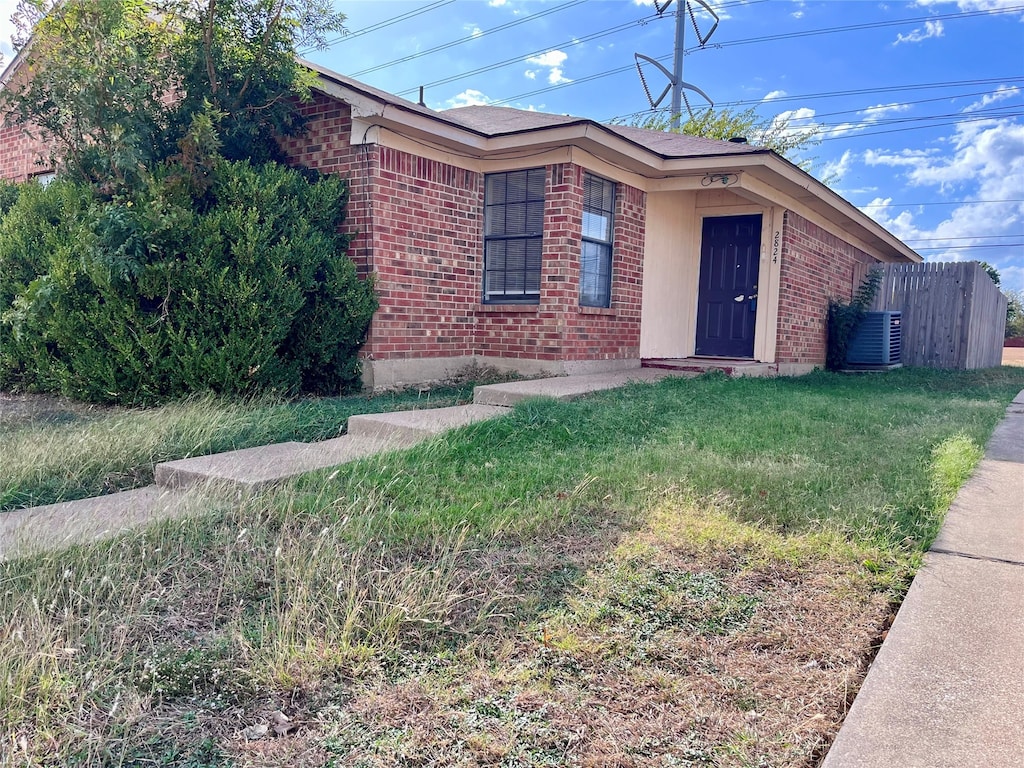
559,328
427,246
21,156
417,227
816,266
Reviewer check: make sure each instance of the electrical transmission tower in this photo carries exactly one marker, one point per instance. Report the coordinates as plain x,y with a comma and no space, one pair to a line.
676,84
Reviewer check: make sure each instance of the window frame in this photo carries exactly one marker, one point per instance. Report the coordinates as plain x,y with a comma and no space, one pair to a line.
602,299
531,239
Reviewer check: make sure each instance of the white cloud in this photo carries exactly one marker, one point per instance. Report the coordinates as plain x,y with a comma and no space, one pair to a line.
834,171
469,98
983,170
972,5
553,60
868,117
793,121
931,29
774,95
7,9
496,3
999,94
473,29
879,111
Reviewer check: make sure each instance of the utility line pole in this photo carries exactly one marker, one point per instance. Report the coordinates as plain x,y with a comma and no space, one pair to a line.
676,84
677,66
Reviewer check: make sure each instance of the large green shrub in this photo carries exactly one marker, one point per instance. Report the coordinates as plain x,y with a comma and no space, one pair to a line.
246,288
844,319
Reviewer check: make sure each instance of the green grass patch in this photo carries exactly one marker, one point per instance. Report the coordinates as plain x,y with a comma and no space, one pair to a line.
71,452
688,572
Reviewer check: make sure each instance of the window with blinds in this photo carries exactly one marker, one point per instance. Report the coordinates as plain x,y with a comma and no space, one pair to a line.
596,251
513,236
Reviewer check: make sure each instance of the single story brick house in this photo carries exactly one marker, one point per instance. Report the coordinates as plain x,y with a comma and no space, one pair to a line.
553,244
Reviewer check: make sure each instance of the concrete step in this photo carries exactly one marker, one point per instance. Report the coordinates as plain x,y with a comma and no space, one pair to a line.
565,387
53,526
696,366
266,465
410,427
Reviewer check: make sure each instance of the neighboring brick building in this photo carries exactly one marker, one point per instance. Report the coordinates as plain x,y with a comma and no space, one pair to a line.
549,243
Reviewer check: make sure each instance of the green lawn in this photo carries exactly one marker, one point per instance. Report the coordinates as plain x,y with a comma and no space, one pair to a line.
690,573
66,451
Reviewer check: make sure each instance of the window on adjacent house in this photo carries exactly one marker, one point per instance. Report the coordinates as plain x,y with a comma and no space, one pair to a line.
596,253
513,236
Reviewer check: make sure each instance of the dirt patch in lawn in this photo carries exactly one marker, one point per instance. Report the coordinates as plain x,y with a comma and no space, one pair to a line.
693,640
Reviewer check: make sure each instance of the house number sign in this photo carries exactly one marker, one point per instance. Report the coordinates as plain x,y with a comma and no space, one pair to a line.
775,247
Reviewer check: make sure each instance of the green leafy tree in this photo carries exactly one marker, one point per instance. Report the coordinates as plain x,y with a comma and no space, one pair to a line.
91,85
116,87
778,135
172,254
1014,314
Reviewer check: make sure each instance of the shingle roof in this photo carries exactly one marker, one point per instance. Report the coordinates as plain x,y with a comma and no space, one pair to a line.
497,121
494,121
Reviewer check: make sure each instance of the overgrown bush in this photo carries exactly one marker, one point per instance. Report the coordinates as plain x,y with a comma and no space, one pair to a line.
844,318
242,287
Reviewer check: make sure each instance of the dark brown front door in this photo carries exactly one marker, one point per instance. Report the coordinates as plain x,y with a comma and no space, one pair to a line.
730,253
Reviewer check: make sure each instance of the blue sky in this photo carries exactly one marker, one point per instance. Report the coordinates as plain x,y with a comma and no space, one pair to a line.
920,104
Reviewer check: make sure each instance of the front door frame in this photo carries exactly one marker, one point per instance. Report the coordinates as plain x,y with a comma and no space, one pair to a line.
766,316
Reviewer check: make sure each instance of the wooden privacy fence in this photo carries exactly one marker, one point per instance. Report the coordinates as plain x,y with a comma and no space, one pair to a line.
954,316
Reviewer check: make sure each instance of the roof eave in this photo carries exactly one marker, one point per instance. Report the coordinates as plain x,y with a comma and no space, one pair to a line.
435,129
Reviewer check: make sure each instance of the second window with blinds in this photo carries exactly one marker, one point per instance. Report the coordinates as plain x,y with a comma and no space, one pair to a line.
596,252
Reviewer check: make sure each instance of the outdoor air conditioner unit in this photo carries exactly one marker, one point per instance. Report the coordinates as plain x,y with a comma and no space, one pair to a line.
877,340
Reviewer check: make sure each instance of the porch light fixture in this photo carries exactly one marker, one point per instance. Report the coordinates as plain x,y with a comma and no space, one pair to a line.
725,179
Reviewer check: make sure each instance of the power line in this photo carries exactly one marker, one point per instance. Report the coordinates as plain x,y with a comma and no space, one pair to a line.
642,21
383,24
875,90
468,38
540,51
766,38
950,202
964,237
968,247
860,27
879,121
861,133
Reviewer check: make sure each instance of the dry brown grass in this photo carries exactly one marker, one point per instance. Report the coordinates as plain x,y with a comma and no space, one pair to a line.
593,659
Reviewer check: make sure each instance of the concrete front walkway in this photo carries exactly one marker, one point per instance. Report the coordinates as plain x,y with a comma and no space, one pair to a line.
179,484
947,687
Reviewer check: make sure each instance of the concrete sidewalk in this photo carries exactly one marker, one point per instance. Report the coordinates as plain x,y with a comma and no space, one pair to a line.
947,687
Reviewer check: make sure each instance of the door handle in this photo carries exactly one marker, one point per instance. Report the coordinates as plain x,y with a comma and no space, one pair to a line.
739,298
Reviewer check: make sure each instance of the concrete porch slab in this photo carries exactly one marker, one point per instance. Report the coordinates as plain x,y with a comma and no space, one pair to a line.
565,387
735,367
410,427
